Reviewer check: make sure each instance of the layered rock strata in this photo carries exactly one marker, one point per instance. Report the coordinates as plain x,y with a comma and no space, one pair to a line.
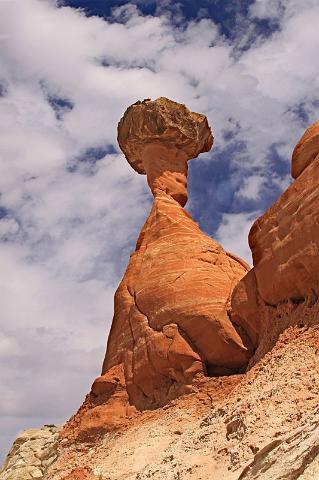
171,324
306,150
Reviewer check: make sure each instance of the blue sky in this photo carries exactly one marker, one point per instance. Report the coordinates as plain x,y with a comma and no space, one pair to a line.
223,13
70,205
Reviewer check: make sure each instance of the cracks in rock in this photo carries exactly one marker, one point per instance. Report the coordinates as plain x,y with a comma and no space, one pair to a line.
211,399
129,316
305,462
178,277
32,453
190,342
300,449
143,313
243,334
239,260
312,298
215,251
297,300
133,357
149,357
309,300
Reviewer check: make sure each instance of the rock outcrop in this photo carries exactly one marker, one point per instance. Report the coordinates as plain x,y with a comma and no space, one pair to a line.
31,454
285,248
293,456
306,150
171,320
171,324
262,425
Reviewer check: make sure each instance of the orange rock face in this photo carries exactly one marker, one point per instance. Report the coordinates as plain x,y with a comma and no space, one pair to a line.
285,247
306,150
171,320
81,474
171,324
285,242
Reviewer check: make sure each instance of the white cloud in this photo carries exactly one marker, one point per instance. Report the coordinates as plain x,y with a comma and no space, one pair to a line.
280,10
71,224
7,345
8,226
287,65
251,186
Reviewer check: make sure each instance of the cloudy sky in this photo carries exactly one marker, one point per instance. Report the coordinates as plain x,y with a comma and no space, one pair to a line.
70,205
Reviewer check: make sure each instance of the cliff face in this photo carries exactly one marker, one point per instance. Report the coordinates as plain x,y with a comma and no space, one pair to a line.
306,150
211,369
285,248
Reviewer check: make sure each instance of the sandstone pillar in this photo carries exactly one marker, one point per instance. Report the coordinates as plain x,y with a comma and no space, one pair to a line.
170,321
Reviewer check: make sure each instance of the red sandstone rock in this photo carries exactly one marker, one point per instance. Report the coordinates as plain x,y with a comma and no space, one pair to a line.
261,425
244,307
158,138
81,474
162,122
285,242
171,324
306,150
106,408
285,247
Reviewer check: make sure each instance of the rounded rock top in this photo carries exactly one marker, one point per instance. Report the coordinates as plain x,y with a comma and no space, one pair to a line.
306,150
166,122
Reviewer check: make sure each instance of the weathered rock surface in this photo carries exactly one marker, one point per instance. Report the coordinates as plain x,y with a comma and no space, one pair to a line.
234,424
260,425
285,242
162,122
285,248
31,454
81,474
172,308
306,150
288,457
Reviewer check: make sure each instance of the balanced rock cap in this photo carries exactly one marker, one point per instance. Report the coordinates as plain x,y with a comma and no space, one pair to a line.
306,150
162,121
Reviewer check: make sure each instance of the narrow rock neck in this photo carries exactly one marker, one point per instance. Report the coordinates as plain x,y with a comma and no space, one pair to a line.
166,170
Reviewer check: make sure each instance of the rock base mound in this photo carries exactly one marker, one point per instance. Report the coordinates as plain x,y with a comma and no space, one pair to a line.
260,425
